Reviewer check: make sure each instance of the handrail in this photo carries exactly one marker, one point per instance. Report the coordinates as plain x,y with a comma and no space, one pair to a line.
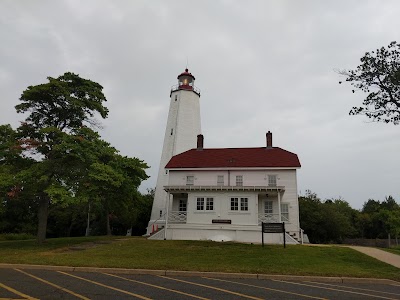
182,87
163,215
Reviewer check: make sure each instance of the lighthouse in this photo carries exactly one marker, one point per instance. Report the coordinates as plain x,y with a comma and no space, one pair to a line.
183,126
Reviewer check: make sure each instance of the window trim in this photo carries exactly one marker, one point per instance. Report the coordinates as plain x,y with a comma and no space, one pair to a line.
207,203
182,201
239,182
265,206
234,204
242,204
272,180
199,203
287,213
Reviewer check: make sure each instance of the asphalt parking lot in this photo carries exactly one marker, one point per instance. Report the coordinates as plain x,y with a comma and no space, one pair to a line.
51,284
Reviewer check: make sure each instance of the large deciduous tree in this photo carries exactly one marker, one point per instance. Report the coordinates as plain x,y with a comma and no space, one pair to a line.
378,75
55,110
328,221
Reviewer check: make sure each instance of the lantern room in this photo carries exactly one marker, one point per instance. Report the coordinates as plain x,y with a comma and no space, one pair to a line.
186,82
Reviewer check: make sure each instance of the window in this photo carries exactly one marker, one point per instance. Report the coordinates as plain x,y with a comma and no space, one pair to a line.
220,180
272,180
172,131
204,203
234,203
210,204
200,204
189,180
285,212
239,180
160,213
244,204
268,207
182,205
176,97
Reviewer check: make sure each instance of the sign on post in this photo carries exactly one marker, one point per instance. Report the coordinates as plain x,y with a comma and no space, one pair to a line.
273,228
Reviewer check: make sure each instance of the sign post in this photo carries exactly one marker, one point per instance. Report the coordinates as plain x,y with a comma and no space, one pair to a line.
273,228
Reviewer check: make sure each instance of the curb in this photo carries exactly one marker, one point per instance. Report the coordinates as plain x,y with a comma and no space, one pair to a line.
201,274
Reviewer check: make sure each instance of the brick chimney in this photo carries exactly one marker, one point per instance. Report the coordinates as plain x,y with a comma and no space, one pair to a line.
200,142
269,139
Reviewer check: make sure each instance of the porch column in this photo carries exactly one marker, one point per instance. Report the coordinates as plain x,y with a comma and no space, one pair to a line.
279,206
166,215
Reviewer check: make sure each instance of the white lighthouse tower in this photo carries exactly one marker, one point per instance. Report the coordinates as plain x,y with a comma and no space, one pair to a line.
183,126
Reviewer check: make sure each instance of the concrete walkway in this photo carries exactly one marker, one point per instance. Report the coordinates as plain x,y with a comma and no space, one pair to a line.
389,258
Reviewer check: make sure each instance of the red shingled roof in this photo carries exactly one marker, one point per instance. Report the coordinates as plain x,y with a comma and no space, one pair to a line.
274,157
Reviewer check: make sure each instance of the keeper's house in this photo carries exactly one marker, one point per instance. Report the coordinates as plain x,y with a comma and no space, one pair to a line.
224,194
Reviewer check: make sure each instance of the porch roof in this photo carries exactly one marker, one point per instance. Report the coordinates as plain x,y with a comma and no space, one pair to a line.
188,188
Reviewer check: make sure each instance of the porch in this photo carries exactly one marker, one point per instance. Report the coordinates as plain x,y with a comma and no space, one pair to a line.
180,217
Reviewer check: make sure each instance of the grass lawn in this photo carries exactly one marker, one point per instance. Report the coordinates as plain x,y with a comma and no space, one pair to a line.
140,253
394,250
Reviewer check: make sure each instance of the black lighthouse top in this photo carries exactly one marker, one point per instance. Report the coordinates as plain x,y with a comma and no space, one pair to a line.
186,82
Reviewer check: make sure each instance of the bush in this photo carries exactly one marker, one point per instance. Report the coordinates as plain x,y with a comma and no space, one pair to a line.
16,236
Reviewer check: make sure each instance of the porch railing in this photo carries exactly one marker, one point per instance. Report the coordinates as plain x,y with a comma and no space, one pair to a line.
271,218
268,218
177,217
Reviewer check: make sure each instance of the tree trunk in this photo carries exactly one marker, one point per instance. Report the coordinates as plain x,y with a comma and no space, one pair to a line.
88,222
108,223
42,218
70,227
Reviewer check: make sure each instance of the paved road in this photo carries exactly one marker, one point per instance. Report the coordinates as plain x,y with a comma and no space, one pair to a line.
51,284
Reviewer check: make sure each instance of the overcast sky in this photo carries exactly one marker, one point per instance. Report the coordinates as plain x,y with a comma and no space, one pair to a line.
260,65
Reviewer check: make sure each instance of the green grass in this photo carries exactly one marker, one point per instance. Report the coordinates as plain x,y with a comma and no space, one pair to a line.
140,253
394,250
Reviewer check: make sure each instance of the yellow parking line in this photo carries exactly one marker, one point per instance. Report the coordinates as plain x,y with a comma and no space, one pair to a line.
12,299
266,288
54,285
106,286
332,289
354,288
158,287
10,289
214,288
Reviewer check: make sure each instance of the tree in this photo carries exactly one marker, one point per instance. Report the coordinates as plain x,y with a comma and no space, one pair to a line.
325,222
15,215
381,219
56,109
378,75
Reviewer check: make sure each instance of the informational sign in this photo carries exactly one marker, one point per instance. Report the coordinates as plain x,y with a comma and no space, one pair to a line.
273,228
221,221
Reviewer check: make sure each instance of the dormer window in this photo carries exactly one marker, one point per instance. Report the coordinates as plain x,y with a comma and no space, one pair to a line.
189,180
271,180
239,180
